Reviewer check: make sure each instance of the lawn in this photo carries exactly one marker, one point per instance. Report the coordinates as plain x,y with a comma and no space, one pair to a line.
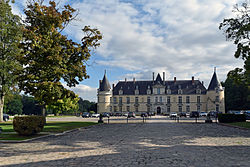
50,127
241,124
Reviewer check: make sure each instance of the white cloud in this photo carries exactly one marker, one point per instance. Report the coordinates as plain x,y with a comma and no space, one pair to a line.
84,91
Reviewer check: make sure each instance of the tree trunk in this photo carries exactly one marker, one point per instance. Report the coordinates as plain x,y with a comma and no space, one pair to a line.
44,110
1,107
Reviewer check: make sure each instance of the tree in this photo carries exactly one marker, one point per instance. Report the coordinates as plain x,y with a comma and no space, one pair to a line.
86,106
14,105
30,106
49,56
10,36
237,29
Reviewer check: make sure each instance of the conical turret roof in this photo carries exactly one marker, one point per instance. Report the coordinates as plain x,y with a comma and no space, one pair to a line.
104,85
214,83
158,79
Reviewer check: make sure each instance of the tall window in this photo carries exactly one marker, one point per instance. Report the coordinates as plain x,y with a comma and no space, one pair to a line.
115,101
217,107
128,100
110,109
136,100
120,108
120,100
198,99
161,99
158,91
180,109
148,100
136,108
198,108
187,108
168,109
187,99
115,109
168,99
148,109
217,98
180,99
156,99
128,108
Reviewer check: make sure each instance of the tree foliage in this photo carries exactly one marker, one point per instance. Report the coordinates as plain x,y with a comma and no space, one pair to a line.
238,30
31,106
49,56
10,36
14,105
86,106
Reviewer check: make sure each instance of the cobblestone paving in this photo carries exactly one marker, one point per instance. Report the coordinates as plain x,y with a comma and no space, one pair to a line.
135,144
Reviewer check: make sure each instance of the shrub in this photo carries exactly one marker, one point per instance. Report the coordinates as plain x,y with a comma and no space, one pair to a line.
28,125
228,118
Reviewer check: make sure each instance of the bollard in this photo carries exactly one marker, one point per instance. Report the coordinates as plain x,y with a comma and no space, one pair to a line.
178,119
143,119
108,120
127,119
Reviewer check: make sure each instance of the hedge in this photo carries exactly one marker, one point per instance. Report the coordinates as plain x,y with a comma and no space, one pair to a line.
229,118
28,125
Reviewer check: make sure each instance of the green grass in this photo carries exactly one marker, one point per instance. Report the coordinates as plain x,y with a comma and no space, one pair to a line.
241,124
50,127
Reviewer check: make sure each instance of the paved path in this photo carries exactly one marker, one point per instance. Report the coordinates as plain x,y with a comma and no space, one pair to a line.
151,144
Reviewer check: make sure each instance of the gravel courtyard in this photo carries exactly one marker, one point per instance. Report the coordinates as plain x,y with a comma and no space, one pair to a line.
155,143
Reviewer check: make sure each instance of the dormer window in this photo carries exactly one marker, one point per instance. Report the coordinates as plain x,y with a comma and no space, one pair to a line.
179,91
198,91
120,92
169,91
148,91
137,92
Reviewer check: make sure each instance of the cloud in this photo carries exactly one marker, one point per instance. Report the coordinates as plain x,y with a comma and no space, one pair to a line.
84,91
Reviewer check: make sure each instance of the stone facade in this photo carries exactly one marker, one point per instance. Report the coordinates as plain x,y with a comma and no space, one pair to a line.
160,96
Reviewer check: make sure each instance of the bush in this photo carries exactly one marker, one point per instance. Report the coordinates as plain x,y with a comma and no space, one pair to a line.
228,118
28,125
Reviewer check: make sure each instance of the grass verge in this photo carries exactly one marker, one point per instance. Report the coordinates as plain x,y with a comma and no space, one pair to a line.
50,127
241,124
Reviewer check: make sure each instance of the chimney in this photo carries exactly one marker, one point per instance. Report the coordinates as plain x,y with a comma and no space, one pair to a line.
174,79
202,82
153,76
192,80
113,85
163,77
134,79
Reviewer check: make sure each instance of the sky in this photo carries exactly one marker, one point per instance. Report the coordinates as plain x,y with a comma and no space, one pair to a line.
180,38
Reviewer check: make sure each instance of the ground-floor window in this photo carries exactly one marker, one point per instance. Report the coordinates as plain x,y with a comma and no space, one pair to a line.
148,109
198,108
187,108
110,109
168,109
136,108
180,108
120,108
115,109
217,107
128,108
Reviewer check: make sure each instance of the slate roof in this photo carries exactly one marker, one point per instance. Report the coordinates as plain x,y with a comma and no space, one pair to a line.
129,87
104,85
214,83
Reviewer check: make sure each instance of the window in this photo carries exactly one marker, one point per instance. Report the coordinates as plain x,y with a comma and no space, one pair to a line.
115,109
180,99
187,99
115,102
217,107
198,108
98,100
148,109
110,109
148,100
128,108
148,91
168,109
179,91
136,108
136,100
161,99
120,108
198,99
180,109
217,98
120,100
187,108
110,99
120,92
128,100
198,91
168,91
216,90
156,99
168,99
158,91
137,92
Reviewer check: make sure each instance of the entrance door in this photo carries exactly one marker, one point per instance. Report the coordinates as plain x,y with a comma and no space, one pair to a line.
158,110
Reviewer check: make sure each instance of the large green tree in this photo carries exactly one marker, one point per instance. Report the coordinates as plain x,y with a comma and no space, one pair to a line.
14,105
49,57
10,36
238,30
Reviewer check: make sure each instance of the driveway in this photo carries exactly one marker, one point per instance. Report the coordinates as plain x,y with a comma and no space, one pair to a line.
135,144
